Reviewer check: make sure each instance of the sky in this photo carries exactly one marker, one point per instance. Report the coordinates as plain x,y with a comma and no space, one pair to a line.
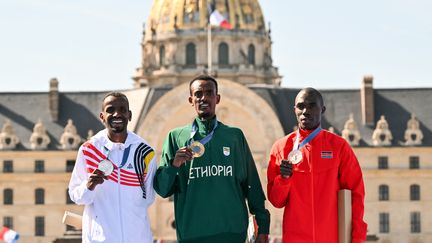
91,45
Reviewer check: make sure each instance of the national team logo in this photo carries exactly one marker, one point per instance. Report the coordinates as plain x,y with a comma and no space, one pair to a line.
226,151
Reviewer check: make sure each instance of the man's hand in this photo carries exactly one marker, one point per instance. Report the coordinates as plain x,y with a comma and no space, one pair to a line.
262,238
286,169
95,179
182,155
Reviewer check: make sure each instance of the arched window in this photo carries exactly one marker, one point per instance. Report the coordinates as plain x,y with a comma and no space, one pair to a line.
223,54
161,55
415,192
190,54
39,196
7,196
251,54
383,192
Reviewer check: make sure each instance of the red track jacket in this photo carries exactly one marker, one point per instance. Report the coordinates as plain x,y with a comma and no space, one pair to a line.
310,194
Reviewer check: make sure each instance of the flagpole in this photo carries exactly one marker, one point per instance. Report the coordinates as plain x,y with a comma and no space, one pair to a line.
209,49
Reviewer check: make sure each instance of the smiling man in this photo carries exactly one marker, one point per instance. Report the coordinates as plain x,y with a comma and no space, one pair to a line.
209,169
306,170
113,178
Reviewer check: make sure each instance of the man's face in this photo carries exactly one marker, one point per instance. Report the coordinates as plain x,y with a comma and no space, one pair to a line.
308,109
115,114
204,98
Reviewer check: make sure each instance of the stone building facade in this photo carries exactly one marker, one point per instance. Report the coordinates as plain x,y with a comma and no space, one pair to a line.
389,129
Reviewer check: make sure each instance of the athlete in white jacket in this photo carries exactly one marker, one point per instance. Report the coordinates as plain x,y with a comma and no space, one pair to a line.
115,205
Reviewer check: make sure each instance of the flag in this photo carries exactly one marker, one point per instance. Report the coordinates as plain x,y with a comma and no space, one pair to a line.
8,235
216,18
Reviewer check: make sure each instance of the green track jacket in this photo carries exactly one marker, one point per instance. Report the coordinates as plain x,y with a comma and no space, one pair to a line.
210,191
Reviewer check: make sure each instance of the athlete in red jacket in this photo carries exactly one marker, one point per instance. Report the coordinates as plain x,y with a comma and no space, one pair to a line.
306,170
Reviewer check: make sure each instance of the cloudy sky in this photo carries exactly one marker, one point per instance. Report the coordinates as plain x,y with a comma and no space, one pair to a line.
95,44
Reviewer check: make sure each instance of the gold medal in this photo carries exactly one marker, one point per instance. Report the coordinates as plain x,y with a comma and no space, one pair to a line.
106,167
197,149
295,157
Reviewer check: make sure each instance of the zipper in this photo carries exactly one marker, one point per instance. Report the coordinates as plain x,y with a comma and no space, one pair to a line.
119,203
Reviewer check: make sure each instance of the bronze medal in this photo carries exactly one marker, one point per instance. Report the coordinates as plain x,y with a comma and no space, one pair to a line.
106,167
197,149
295,157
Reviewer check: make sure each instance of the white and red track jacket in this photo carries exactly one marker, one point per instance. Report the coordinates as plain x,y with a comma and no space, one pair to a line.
116,210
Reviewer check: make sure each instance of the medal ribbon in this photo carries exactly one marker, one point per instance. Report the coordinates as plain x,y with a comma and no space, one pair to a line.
306,140
203,141
125,155
207,138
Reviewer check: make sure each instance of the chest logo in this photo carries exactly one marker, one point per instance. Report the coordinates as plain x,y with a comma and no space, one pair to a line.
326,154
226,151
130,166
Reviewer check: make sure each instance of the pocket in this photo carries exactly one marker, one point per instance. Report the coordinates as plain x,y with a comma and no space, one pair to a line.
328,159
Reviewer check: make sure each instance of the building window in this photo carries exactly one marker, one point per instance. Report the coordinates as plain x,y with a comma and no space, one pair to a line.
384,223
223,54
415,222
382,162
161,55
39,196
414,192
190,54
68,199
7,196
383,192
251,54
70,165
414,162
8,222
7,166
40,226
39,166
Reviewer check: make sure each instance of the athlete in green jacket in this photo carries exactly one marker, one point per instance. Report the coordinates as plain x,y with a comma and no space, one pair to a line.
210,191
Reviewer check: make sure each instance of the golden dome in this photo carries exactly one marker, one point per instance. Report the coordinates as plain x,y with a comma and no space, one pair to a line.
169,15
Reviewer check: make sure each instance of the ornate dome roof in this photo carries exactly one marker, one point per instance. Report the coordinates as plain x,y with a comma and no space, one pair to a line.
169,15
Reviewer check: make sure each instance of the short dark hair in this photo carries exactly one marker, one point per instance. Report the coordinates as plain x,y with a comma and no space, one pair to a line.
203,77
117,95
310,90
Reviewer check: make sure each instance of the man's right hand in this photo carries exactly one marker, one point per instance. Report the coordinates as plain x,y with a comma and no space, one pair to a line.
286,169
182,155
95,179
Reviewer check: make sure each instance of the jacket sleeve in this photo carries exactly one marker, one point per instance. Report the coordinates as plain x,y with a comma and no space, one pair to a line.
78,191
150,192
277,187
165,181
351,178
254,192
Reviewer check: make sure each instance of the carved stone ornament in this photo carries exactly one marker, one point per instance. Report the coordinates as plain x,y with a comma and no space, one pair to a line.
39,139
382,135
8,138
70,138
90,134
351,132
413,134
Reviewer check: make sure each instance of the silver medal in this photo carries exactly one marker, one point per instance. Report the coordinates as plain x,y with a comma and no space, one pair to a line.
295,157
106,167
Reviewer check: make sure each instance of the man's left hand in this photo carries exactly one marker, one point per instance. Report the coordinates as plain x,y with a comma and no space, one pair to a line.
262,238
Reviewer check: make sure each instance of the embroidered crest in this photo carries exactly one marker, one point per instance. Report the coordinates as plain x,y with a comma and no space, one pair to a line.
130,166
327,154
226,151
